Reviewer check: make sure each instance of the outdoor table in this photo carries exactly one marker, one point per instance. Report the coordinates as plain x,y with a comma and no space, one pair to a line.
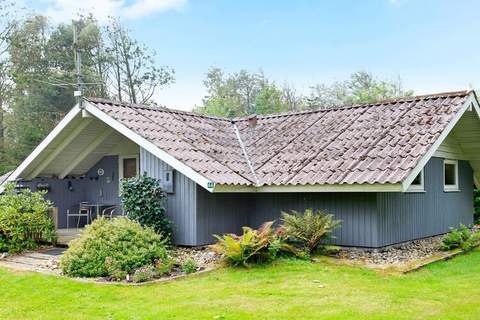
98,207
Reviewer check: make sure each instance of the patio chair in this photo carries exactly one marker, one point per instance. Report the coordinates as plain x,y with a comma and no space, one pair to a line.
83,211
109,212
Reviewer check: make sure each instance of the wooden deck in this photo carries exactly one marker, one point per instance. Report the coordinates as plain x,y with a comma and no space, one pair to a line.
64,236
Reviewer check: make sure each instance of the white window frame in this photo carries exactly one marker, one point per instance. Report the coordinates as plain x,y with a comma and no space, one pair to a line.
451,187
120,164
418,187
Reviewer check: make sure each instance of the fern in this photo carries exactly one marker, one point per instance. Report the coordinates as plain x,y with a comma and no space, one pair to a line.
257,246
309,228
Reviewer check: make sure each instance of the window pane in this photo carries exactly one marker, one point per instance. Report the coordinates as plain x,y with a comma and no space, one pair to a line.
418,180
450,178
129,168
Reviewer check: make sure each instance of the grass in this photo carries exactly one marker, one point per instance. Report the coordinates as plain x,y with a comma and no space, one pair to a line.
287,290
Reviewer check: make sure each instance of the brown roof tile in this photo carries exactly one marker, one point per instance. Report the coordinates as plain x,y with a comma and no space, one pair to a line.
370,143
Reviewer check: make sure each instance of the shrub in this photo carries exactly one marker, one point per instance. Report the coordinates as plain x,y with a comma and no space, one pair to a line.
143,200
472,242
456,238
144,274
189,266
163,266
310,228
113,248
257,246
24,220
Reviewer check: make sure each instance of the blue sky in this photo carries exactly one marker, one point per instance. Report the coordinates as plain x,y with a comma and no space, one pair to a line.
432,45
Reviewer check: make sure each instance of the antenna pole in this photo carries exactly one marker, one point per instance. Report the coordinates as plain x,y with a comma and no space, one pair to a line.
78,93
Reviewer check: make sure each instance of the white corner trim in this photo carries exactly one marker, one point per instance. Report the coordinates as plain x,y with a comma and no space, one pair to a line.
48,139
150,147
471,101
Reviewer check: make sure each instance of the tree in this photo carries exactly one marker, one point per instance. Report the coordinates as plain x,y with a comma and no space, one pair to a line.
294,101
7,23
42,71
362,87
240,94
133,73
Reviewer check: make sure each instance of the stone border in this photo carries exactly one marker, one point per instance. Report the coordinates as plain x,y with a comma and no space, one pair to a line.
123,283
399,268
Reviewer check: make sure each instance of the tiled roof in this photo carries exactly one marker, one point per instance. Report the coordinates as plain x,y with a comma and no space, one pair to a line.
370,143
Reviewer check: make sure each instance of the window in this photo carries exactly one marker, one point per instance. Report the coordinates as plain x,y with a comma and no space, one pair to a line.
128,166
417,183
450,175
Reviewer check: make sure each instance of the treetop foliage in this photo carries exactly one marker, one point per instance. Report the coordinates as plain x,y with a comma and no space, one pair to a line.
243,93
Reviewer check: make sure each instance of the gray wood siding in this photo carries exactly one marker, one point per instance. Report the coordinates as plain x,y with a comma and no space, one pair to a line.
228,212
61,197
181,204
103,189
357,211
221,213
406,216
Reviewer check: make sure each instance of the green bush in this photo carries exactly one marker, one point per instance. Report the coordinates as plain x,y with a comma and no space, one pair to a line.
309,228
253,246
472,242
456,238
113,248
24,220
189,266
143,200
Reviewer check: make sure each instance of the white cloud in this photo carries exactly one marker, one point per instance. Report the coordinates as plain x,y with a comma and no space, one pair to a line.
65,10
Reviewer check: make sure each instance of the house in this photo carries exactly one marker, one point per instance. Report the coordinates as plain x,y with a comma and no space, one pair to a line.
391,171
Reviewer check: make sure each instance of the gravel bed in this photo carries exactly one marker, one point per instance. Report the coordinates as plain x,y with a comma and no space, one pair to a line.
397,254
404,252
204,257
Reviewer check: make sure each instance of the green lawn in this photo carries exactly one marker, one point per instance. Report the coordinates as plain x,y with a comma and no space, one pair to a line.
287,290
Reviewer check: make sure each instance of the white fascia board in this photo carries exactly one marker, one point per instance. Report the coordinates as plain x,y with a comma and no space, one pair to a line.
471,101
150,147
376,187
48,139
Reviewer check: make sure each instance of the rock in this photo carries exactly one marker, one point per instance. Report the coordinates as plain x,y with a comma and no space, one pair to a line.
404,252
202,256
4,255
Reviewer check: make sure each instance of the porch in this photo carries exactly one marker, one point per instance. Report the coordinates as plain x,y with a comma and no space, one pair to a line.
64,236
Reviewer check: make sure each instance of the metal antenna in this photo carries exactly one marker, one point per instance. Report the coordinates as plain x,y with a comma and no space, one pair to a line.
78,67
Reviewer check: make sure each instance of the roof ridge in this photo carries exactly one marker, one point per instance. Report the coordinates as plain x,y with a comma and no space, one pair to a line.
380,102
283,114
